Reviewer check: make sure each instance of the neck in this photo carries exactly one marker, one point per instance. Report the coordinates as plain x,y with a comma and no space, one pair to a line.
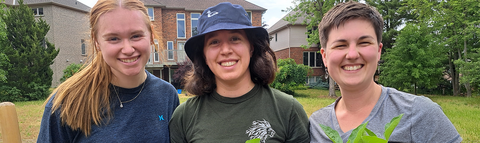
356,100
129,81
234,89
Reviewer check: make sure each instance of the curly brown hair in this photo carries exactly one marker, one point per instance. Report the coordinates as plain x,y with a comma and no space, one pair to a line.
200,80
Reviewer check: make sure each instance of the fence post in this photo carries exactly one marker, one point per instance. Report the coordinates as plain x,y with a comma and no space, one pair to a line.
9,123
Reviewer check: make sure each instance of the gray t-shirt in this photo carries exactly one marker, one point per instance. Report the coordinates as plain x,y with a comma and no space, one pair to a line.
423,120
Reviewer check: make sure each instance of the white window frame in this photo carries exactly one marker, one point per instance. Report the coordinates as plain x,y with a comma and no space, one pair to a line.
155,53
83,47
251,15
314,62
191,22
184,26
152,17
170,50
38,11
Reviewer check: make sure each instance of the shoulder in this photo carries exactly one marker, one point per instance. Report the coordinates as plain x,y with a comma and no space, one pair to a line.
415,102
280,96
322,114
156,83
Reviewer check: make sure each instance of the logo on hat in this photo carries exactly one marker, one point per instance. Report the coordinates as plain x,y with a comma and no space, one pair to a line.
210,14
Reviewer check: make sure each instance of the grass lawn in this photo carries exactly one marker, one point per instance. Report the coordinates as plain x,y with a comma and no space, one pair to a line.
463,112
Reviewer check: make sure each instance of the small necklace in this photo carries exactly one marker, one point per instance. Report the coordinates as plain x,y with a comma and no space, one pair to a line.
121,103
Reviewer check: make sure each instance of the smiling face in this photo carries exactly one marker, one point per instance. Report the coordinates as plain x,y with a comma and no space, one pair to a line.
352,53
124,40
227,54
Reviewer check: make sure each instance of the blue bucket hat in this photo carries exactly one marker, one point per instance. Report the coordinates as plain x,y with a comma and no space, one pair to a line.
224,16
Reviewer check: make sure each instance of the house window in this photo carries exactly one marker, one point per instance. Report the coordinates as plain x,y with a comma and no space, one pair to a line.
170,50
155,53
37,11
275,37
194,20
181,25
181,56
312,59
150,13
84,50
249,15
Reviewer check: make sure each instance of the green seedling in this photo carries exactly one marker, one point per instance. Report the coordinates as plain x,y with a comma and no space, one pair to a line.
362,134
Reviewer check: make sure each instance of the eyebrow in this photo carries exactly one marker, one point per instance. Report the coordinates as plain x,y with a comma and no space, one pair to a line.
361,38
116,34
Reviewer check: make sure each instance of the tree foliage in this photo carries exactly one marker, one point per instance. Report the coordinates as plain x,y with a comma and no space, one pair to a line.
30,55
395,14
70,71
290,75
457,23
414,60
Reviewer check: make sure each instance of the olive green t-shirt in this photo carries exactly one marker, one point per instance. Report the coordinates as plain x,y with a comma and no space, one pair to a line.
263,112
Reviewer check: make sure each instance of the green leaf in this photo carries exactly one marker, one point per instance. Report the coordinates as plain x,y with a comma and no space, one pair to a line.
332,134
372,139
370,133
356,136
257,140
389,127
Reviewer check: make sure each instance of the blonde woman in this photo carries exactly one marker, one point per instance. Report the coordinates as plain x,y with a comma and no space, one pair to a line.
113,99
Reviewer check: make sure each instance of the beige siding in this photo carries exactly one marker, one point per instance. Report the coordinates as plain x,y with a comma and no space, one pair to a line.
282,40
67,28
298,36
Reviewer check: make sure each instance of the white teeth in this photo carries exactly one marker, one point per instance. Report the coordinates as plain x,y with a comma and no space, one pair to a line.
129,60
228,63
351,68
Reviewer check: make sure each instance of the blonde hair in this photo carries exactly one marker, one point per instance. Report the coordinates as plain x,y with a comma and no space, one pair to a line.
85,97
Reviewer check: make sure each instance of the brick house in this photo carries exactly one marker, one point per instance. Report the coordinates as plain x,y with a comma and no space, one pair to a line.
174,22
286,42
68,20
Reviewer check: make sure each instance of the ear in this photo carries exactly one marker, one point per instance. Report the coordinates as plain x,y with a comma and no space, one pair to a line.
324,55
380,46
97,46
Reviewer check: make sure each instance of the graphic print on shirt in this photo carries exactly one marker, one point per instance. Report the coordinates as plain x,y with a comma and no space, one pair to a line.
260,129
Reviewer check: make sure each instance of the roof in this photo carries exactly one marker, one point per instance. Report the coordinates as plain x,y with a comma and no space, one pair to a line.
281,24
73,4
199,5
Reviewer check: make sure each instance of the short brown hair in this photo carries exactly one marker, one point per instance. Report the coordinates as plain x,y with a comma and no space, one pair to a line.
201,81
343,12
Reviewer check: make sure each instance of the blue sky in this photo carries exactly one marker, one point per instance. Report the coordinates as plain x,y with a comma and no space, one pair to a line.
272,15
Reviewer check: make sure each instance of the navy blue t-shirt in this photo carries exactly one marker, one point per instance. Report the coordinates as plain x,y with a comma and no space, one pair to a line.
144,119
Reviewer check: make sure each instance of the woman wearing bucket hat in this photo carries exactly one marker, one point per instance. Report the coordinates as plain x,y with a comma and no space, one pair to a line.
233,65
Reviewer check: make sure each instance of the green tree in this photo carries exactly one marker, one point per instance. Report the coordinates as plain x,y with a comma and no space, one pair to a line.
70,71
3,58
30,54
290,75
312,11
456,24
394,14
3,63
413,61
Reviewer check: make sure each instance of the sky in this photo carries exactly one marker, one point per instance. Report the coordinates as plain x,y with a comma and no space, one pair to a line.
270,17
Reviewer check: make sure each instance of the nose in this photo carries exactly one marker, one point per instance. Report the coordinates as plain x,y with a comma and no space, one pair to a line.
352,52
226,48
127,48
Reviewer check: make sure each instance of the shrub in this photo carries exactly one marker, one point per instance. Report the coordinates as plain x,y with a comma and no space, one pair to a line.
290,75
70,70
